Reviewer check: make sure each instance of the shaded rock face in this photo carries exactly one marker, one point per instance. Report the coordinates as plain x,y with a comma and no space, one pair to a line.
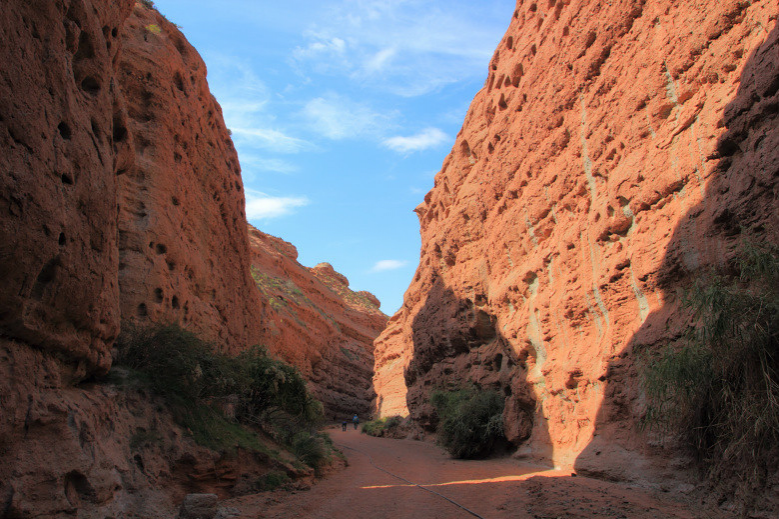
183,250
58,250
615,151
311,319
120,199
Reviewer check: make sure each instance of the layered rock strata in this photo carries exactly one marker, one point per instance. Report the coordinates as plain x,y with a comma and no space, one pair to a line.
313,320
617,149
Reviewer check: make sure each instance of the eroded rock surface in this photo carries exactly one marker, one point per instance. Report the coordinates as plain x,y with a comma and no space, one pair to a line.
616,149
313,320
184,253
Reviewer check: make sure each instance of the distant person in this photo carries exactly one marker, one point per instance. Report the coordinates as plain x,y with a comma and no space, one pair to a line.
355,421
343,425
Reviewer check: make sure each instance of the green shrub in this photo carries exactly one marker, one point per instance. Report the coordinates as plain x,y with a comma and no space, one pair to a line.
194,379
719,389
272,480
381,426
471,421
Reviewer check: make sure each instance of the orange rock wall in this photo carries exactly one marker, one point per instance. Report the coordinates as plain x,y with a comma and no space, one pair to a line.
183,249
616,149
58,250
312,319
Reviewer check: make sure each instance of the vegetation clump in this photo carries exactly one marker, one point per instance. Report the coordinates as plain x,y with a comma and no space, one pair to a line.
382,426
719,389
224,400
471,421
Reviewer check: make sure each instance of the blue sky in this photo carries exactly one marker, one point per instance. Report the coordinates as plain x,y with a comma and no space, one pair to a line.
342,113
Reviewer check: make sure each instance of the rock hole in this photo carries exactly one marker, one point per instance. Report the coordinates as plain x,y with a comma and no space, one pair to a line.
507,81
64,130
119,129
552,3
85,48
78,488
62,240
177,157
90,85
566,31
174,302
533,49
161,249
174,200
45,277
142,310
591,37
159,296
510,43
171,265
533,7
497,362
67,179
179,81
114,32
95,127
502,105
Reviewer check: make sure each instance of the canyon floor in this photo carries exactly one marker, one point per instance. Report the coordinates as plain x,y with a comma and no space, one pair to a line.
491,489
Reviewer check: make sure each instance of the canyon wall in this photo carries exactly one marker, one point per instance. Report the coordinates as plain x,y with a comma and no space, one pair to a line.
183,250
120,199
617,149
313,320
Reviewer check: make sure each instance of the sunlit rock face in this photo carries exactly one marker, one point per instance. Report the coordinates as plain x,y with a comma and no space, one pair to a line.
183,246
120,199
616,149
313,320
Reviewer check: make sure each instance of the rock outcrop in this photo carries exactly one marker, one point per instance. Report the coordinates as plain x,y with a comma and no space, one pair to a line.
616,149
313,320
120,199
183,249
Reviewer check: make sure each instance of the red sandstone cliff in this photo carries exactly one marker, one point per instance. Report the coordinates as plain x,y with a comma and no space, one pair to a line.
616,149
313,320
120,198
183,249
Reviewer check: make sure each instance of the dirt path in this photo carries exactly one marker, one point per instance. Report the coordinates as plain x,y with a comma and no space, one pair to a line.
491,489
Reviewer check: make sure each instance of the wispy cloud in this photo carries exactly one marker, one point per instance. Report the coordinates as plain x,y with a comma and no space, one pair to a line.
405,47
261,206
337,117
250,161
271,140
390,264
425,139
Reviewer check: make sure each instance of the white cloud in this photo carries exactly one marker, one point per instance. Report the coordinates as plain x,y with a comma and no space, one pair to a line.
263,206
385,265
271,140
426,139
337,117
408,48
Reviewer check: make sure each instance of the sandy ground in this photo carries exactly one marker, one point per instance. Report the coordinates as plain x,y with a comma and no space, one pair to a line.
490,489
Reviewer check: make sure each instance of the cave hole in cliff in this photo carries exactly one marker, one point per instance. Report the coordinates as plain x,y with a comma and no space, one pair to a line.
174,302
533,7
174,200
45,277
179,81
90,85
114,32
78,488
62,240
119,130
510,42
566,31
143,311
85,48
159,295
502,104
160,248
64,130
533,49
67,179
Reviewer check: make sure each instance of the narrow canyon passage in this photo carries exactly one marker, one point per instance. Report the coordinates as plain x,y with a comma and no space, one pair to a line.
492,489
